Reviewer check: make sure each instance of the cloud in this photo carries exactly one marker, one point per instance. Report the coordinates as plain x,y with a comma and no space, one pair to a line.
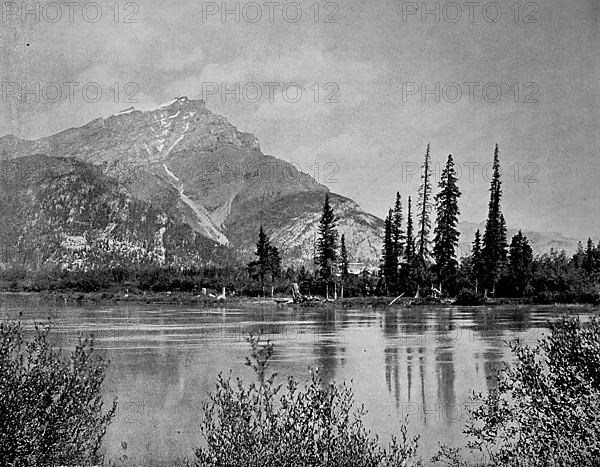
181,60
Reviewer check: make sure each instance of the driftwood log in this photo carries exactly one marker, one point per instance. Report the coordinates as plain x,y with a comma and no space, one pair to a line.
397,298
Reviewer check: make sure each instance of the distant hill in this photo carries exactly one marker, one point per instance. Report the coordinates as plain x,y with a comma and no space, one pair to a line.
541,242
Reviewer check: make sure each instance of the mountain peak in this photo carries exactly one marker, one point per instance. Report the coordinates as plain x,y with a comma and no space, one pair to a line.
184,103
181,103
182,125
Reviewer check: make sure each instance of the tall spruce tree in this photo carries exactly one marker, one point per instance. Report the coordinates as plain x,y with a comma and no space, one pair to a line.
446,233
268,260
424,209
494,237
521,261
476,258
503,239
343,257
389,260
409,249
579,255
589,260
397,232
326,258
263,246
274,261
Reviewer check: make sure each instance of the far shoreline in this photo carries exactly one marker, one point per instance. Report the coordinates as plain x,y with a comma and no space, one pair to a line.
106,298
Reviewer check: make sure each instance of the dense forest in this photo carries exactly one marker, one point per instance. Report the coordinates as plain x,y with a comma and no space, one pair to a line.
418,259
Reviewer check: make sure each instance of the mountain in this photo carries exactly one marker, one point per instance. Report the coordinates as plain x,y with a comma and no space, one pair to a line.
175,185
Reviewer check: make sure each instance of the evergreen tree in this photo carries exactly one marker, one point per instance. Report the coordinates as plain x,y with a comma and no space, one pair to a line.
397,232
343,257
274,261
503,239
494,237
476,257
424,208
446,233
409,250
412,271
268,260
387,241
326,259
521,261
579,256
262,252
389,260
589,257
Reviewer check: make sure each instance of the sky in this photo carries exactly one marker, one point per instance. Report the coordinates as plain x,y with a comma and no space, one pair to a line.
349,91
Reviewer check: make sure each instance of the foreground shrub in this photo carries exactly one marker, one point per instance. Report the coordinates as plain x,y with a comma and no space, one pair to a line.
265,425
545,410
50,406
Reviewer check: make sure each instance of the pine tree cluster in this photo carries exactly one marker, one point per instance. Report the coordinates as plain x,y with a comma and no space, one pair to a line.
268,262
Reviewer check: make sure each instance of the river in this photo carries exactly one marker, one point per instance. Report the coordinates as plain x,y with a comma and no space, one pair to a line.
418,362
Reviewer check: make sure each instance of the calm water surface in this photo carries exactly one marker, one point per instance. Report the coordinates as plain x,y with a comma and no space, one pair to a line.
419,362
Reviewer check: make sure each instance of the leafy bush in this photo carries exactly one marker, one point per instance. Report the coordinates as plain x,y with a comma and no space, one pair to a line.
263,425
50,406
545,409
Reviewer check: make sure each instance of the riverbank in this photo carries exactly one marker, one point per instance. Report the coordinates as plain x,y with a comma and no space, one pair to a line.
193,299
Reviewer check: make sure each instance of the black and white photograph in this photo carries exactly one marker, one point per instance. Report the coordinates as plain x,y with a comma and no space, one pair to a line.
299,233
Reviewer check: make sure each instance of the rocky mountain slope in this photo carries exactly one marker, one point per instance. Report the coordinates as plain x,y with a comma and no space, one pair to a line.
68,212
179,171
